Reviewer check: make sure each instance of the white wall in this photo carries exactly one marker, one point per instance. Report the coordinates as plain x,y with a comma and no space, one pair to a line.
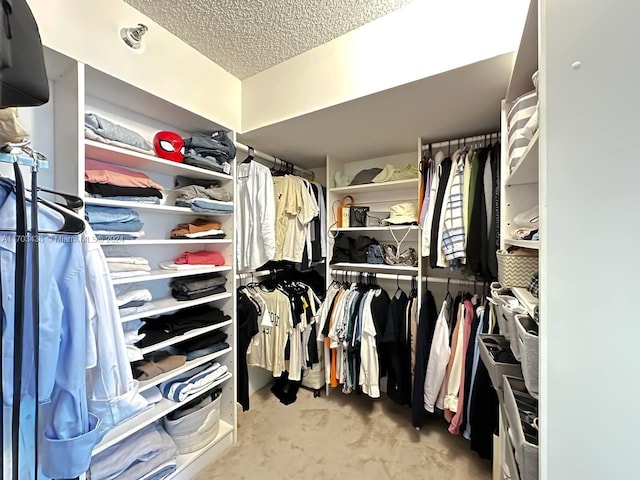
589,262
420,40
88,30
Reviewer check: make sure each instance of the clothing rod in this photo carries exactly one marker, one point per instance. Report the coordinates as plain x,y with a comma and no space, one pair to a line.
455,281
454,141
273,160
379,276
259,273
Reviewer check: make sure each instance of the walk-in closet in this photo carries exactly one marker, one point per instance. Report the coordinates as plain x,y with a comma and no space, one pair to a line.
382,239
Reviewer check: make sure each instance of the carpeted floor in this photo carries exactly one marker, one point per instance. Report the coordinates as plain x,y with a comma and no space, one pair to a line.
347,437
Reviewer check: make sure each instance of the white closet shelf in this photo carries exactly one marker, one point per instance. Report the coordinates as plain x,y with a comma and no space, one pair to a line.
527,58
137,423
151,207
370,267
534,244
183,461
377,229
147,384
129,158
161,274
180,241
528,301
526,171
170,304
377,187
186,336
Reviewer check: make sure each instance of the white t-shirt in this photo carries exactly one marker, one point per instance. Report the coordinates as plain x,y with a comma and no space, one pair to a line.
369,364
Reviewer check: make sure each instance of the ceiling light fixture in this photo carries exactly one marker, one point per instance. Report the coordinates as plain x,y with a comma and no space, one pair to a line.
132,36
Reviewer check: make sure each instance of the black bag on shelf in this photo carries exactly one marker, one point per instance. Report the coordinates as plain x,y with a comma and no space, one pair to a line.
342,248
358,216
23,76
360,248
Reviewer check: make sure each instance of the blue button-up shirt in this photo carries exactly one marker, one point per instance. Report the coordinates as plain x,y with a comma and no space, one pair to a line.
70,432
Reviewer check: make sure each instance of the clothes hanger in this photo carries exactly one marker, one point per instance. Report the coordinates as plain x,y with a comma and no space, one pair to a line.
250,156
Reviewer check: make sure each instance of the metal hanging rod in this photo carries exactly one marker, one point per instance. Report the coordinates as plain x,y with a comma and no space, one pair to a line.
455,281
380,276
463,140
275,161
259,273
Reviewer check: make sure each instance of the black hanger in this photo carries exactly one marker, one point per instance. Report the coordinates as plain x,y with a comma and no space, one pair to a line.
250,155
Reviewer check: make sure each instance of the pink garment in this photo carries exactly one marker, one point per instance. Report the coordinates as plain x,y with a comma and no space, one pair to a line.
203,257
100,172
454,427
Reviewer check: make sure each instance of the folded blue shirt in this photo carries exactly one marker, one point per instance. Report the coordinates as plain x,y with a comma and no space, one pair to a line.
102,214
130,226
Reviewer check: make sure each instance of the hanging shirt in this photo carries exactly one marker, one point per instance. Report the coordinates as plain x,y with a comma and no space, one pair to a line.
70,430
369,379
432,197
438,359
256,210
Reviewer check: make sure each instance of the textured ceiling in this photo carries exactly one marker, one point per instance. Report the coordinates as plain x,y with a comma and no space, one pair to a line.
246,37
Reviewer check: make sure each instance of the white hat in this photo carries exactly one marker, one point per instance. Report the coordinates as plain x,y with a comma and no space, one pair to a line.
402,213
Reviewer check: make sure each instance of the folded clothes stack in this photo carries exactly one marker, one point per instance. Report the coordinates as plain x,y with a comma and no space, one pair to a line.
132,299
211,152
102,130
114,223
199,228
103,180
197,286
168,326
126,267
201,346
194,382
197,423
132,336
209,198
152,395
155,364
194,261
149,454
206,205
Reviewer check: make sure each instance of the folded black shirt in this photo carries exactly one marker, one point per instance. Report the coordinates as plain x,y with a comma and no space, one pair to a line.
107,190
182,296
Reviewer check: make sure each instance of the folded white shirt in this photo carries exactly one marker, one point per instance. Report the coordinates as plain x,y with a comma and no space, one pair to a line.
169,265
127,267
133,260
131,293
124,312
204,233
139,234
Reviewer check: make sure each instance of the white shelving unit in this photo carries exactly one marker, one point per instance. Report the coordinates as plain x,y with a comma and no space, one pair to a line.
78,89
520,192
379,197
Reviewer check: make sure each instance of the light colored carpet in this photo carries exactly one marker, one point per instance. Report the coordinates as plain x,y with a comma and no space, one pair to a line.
342,436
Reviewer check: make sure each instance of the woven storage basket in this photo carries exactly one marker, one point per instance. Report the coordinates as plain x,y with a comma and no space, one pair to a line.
515,270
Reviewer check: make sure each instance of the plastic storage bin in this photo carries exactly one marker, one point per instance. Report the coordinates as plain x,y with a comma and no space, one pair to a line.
496,369
527,339
525,452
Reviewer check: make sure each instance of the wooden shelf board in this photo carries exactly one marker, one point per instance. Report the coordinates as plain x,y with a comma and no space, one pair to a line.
170,304
528,301
186,336
526,171
147,384
142,161
377,187
162,274
151,207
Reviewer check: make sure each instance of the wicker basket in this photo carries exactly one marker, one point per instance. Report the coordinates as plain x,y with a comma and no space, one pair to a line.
515,270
